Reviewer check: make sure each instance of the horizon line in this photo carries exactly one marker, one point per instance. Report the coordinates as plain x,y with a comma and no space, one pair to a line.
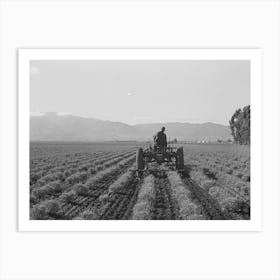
40,114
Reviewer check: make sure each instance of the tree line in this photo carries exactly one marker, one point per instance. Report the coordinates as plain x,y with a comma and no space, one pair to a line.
240,126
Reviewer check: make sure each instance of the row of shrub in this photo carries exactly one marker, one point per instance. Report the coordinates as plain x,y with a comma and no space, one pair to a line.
46,211
74,175
43,169
83,189
187,209
142,210
77,180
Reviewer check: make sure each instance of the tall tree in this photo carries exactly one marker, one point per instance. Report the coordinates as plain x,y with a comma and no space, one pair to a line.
240,125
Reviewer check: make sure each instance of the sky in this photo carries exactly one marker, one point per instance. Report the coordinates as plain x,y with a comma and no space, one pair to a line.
141,91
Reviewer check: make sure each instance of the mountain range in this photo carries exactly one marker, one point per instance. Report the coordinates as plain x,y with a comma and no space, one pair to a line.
55,127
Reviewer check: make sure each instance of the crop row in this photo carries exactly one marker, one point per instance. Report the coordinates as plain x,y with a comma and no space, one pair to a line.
117,201
232,194
98,188
58,164
188,210
143,208
50,162
58,183
66,161
64,171
91,189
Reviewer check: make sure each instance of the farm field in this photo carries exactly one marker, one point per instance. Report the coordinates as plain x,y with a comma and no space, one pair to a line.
90,181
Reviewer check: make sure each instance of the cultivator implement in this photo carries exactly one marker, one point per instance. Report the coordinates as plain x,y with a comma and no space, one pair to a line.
150,159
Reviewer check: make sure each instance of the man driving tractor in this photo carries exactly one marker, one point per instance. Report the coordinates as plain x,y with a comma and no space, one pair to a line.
161,154
160,140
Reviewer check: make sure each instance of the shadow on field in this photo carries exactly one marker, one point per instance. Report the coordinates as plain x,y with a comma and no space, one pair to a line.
211,206
187,169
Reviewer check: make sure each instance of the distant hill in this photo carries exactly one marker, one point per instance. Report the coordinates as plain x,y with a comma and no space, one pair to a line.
54,127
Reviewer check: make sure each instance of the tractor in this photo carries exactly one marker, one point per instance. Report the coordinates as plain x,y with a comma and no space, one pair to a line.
170,156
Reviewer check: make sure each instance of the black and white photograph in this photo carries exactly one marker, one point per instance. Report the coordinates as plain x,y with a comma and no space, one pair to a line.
140,140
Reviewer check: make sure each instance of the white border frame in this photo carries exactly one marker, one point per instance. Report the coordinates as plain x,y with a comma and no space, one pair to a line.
254,55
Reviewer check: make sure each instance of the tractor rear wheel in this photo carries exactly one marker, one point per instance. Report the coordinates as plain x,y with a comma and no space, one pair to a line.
180,159
140,163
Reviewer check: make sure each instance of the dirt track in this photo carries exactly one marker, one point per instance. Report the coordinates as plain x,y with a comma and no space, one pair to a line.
164,208
120,204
